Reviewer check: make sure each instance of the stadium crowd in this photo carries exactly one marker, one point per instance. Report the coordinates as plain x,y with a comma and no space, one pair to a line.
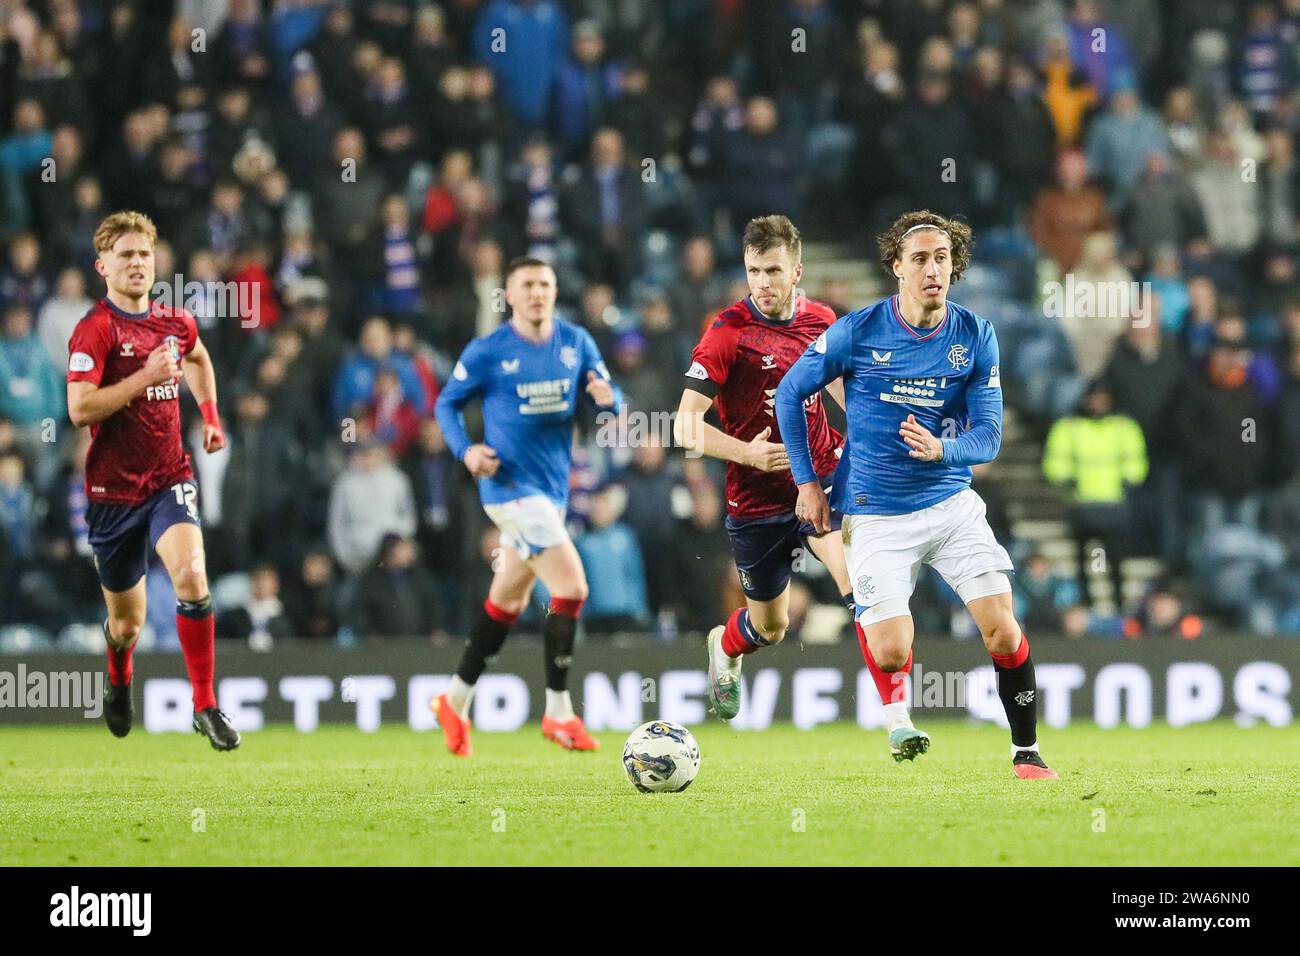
339,185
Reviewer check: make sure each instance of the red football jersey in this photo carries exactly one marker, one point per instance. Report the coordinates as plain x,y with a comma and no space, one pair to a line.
136,451
741,360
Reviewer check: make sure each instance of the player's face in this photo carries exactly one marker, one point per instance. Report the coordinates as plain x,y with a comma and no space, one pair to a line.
530,292
924,268
128,267
772,278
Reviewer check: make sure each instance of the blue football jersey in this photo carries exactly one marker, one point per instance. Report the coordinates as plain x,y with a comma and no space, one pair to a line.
946,376
530,393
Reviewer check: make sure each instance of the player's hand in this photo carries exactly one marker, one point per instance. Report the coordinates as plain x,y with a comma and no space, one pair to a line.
923,445
813,507
161,366
214,439
601,392
482,461
765,455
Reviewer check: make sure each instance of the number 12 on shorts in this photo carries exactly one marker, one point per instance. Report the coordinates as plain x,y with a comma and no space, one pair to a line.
185,495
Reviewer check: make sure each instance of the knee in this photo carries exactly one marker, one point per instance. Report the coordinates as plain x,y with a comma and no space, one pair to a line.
190,583
1003,635
892,655
771,629
577,591
512,605
125,630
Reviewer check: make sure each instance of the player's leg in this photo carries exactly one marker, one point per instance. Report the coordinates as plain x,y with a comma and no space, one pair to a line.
126,614
118,537
560,569
765,553
179,543
1017,685
975,566
512,584
883,556
829,550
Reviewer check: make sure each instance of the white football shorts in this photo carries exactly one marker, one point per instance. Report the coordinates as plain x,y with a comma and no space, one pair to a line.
885,553
530,524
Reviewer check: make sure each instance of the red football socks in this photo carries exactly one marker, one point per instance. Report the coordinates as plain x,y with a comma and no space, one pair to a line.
197,636
889,684
119,664
740,637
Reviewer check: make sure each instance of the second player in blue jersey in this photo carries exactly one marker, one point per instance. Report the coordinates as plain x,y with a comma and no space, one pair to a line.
532,375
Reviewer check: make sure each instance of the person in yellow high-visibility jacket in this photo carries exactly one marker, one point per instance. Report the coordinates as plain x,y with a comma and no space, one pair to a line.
1103,454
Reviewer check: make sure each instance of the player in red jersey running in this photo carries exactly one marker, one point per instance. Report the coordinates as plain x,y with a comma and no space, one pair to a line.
126,357
739,363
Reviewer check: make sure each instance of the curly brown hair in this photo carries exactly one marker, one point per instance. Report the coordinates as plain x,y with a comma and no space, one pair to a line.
890,242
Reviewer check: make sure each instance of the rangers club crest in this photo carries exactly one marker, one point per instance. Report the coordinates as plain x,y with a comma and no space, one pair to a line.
569,356
959,356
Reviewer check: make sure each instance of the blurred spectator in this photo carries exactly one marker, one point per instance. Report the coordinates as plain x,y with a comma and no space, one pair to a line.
930,142
369,500
1063,216
439,484
1231,204
260,485
615,572
699,291
1267,61
701,562
1120,140
585,86
537,32
1102,455
1022,136
21,282
1163,209
396,597
310,598
1042,597
355,383
1101,281
261,620
1146,374
604,208
60,315
1068,93
31,386
392,416
1279,198
307,126
1109,65
1223,438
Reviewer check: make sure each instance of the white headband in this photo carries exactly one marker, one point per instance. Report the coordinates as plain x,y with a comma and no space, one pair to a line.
924,225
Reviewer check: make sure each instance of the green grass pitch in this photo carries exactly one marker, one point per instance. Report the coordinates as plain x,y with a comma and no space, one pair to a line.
1211,794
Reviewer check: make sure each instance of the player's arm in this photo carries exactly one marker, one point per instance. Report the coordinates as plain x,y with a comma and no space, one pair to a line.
465,384
826,360
596,380
693,433
201,377
983,438
89,403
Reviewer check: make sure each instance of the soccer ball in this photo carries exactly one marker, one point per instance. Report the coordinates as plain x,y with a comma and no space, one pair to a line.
661,757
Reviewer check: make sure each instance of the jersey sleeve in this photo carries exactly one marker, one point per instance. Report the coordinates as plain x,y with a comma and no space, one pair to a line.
191,331
468,381
826,359
983,436
593,362
712,358
88,350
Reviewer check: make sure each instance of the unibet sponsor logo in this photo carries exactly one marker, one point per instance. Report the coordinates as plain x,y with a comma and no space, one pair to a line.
544,397
916,391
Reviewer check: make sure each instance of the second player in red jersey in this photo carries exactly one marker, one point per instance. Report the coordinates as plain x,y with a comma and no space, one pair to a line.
738,364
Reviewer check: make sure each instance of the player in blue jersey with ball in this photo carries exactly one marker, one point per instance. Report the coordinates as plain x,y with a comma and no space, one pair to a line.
531,374
923,397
